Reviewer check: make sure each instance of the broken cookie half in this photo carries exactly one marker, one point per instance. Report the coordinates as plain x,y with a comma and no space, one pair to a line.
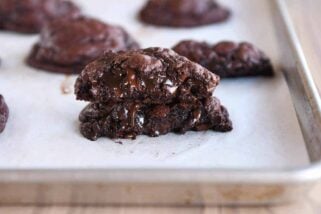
152,92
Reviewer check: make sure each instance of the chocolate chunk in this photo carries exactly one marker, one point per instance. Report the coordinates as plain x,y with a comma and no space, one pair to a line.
183,13
4,113
153,75
227,59
67,45
29,16
129,118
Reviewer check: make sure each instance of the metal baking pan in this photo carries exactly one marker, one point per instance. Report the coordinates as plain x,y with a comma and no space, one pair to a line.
190,186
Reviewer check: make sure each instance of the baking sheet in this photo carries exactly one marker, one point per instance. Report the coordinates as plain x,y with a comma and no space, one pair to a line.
43,128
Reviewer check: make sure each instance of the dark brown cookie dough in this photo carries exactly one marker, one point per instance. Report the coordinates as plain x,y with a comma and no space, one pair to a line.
227,59
4,113
29,16
153,75
67,45
183,13
129,119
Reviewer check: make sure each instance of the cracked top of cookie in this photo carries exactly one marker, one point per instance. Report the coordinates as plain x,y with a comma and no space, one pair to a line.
29,16
81,39
227,58
183,13
153,75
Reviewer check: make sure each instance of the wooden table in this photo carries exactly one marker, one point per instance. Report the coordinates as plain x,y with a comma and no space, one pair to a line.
312,204
307,16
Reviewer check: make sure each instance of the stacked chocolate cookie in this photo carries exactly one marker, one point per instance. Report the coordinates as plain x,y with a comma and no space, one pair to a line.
151,91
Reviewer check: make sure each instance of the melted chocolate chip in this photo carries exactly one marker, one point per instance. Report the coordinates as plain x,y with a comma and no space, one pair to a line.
132,113
113,82
132,80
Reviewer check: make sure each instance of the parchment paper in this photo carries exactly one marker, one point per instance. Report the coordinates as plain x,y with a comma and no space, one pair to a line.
42,131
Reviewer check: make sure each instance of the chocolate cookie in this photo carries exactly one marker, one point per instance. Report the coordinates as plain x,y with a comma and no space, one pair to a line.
227,59
152,92
153,75
4,113
67,45
29,16
129,118
183,13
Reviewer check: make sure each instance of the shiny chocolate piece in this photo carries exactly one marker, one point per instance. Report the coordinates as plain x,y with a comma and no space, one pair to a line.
4,113
227,59
153,75
29,16
67,45
183,13
129,118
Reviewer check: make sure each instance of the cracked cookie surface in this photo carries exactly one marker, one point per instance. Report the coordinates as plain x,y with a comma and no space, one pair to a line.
67,45
183,13
227,59
29,16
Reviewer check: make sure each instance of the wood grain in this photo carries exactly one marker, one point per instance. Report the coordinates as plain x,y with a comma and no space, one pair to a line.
307,16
